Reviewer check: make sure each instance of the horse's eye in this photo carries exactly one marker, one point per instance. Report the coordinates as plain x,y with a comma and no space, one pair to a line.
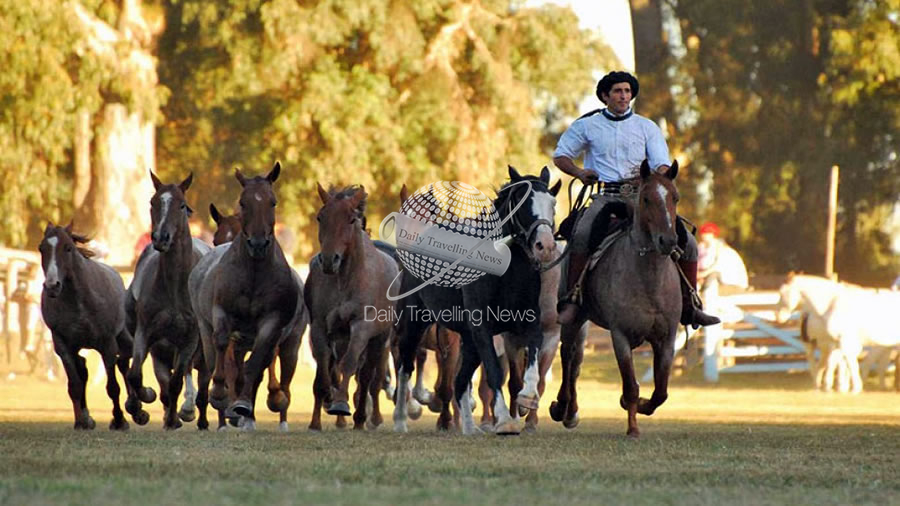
68,248
319,218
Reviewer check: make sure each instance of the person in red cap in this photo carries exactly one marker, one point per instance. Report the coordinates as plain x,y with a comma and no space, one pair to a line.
720,262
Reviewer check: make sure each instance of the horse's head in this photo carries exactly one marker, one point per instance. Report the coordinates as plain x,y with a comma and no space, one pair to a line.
533,223
59,248
227,227
340,221
788,300
169,212
257,212
655,209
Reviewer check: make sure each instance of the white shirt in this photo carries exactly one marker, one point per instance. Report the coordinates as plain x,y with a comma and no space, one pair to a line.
721,258
614,149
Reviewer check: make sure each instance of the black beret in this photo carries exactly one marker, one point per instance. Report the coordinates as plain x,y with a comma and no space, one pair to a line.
606,84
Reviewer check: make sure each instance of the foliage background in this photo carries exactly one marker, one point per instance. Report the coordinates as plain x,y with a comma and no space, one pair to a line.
759,98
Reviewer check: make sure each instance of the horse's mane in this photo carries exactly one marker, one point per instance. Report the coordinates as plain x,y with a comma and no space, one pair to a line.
348,192
82,239
505,192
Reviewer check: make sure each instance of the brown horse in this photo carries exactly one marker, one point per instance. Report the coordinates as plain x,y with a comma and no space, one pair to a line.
634,292
157,304
346,291
82,305
228,228
249,300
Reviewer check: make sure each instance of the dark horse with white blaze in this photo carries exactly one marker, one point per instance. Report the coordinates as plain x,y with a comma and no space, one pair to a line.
517,291
82,305
348,278
157,304
254,299
634,292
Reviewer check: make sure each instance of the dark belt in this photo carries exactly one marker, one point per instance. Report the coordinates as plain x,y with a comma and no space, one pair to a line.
623,188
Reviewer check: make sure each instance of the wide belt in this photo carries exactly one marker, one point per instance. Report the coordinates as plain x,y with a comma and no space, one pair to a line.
623,188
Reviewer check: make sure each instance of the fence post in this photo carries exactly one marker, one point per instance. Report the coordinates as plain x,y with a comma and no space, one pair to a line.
712,335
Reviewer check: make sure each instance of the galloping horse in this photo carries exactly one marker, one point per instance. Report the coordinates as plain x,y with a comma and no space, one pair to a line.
249,299
517,291
229,228
348,279
633,291
82,305
515,346
157,304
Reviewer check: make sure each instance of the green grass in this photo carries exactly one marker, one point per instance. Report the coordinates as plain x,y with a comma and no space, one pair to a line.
706,445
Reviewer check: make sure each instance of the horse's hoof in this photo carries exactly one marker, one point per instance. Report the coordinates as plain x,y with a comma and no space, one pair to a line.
633,434
401,427
436,405
341,422
571,423
645,408
422,395
508,428
529,402
622,402
414,409
248,425
120,425
370,425
314,428
203,426
146,394
141,418
219,404
234,421
557,411
174,425
283,427
187,416
486,427
239,407
277,402
530,429
132,405
339,408
522,410
90,424
222,428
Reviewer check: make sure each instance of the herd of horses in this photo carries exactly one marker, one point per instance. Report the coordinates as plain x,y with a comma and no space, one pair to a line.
196,307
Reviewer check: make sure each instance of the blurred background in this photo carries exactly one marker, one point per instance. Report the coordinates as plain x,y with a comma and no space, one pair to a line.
758,100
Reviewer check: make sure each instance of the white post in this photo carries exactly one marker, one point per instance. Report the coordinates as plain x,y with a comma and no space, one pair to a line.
712,336
832,222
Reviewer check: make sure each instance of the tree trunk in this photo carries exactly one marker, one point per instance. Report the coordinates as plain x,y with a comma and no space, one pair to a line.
649,46
113,208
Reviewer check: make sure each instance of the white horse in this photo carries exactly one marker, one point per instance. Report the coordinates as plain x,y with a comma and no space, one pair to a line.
844,318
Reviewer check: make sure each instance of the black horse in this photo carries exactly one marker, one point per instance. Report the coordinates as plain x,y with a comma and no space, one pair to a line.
507,303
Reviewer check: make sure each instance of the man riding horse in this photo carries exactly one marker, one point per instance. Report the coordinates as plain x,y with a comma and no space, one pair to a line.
615,142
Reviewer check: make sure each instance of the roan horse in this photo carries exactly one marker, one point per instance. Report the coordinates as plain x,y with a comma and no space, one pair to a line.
249,299
157,304
227,228
516,294
82,305
347,284
633,291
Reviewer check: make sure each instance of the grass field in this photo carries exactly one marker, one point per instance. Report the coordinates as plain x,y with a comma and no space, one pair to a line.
749,440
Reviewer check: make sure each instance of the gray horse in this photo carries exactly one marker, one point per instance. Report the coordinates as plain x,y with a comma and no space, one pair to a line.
633,290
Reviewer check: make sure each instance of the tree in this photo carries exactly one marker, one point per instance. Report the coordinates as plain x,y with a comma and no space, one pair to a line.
76,130
782,94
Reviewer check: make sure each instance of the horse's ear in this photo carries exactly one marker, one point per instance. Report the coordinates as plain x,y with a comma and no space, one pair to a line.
323,194
359,196
48,228
214,213
545,175
673,170
555,189
645,169
156,182
240,177
70,226
273,174
404,194
186,183
513,173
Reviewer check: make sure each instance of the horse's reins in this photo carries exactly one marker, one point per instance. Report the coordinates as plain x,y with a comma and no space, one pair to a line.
521,234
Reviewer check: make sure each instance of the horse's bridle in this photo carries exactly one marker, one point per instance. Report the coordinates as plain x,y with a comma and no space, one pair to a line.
522,234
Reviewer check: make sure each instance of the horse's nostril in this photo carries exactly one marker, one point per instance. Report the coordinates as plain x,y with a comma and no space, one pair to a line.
539,246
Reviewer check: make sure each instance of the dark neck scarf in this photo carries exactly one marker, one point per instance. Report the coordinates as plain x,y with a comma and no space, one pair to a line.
612,117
